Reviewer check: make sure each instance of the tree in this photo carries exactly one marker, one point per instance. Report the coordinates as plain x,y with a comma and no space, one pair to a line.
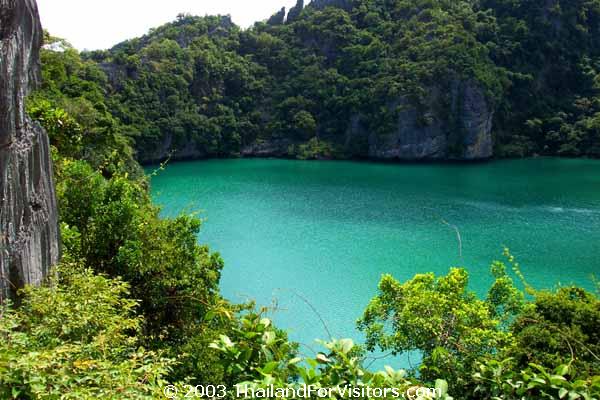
438,317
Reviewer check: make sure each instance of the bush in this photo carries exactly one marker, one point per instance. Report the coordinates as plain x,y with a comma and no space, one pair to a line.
77,338
557,328
439,317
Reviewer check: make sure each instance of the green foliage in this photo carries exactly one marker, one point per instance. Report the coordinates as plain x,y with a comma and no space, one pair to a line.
64,132
503,347
550,49
559,328
314,149
109,224
338,367
504,299
204,85
255,348
201,87
71,106
77,338
185,82
112,225
500,380
439,317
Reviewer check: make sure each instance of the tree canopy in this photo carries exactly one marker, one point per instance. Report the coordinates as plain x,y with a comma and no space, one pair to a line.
201,86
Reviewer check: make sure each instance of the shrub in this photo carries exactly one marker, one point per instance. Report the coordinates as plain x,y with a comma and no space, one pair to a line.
77,338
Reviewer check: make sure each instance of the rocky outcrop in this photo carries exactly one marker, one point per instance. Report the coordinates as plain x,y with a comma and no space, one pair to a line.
295,11
271,148
188,150
277,18
29,238
475,119
463,132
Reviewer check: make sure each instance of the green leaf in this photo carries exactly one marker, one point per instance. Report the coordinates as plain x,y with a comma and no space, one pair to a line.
347,345
226,341
442,386
322,358
268,337
294,360
266,322
562,370
270,367
574,396
389,370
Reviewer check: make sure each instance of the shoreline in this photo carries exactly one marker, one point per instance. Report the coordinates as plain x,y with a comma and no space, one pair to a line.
366,160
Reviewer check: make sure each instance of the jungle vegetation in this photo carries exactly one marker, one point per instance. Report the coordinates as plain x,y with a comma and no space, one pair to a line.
204,84
135,303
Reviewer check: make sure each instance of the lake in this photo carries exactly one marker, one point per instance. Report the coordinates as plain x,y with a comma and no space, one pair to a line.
323,232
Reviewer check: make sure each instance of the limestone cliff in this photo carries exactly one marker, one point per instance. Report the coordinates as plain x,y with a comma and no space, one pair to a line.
277,18
433,130
452,125
462,132
295,11
29,236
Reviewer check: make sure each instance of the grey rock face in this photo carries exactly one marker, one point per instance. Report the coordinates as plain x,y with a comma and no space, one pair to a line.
272,148
476,122
295,11
29,236
277,18
430,135
169,150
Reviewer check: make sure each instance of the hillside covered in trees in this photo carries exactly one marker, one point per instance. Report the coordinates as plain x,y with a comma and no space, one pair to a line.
424,79
135,303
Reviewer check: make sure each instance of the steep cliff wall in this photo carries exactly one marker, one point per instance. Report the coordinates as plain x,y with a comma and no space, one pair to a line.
459,130
462,132
29,238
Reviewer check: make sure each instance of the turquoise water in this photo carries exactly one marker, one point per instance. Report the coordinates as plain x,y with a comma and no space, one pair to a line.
327,231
